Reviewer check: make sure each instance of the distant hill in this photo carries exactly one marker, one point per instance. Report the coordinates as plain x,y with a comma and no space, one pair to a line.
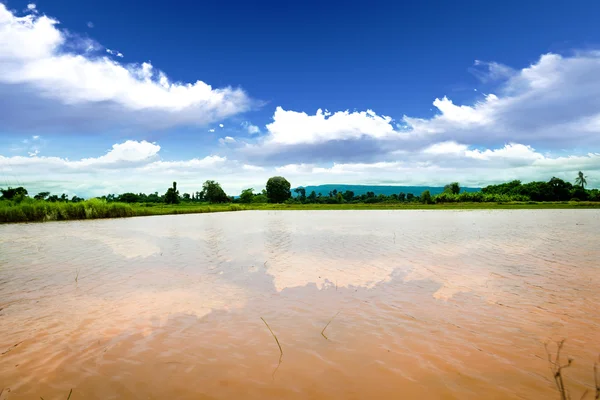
386,190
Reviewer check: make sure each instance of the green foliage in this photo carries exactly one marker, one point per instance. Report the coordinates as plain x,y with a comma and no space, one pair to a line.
301,192
129,198
453,188
172,195
259,199
278,189
426,197
31,210
12,193
41,195
213,193
247,196
580,180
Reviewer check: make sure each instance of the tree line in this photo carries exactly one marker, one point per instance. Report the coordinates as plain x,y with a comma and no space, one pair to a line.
278,190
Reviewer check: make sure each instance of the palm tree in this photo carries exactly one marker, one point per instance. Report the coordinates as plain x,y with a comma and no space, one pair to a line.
580,180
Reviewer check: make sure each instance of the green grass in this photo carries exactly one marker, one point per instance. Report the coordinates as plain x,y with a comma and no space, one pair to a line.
419,206
40,211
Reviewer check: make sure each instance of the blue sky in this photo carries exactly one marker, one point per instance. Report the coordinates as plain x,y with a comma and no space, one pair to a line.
112,96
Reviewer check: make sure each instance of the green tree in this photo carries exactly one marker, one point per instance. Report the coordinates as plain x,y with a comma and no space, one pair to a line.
348,195
213,193
301,192
247,196
172,195
426,197
260,198
579,193
580,180
402,196
129,198
11,193
453,188
410,197
339,197
41,195
561,189
278,189
312,197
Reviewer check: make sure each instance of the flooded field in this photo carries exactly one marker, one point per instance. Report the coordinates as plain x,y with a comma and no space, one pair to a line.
427,305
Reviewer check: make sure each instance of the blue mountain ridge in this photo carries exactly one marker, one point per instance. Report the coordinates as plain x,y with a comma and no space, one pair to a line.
378,189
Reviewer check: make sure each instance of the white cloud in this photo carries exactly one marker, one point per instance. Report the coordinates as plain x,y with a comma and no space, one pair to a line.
33,59
248,167
252,129
291,127
220,125
31,6
512,151
493,71
115,53
553,104
90,24
35,137
211,130
449,147
130,151
227,139
136,166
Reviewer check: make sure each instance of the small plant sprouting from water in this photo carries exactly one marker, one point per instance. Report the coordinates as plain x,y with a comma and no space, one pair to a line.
278,344
597,379
323,331
276,340
557,371
68,397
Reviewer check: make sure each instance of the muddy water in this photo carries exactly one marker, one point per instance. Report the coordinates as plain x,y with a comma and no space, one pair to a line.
427,304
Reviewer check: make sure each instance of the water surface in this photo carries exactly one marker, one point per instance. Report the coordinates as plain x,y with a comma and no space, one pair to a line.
429,304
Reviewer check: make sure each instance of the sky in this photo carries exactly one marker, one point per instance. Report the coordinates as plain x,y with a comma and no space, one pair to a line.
108,96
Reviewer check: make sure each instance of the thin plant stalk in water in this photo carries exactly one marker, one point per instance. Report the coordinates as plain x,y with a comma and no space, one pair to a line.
68,397
323,331
278,344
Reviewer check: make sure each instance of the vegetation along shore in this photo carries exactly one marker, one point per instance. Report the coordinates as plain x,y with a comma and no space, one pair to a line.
16,205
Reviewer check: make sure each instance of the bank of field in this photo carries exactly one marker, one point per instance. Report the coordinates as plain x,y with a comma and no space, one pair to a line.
42,211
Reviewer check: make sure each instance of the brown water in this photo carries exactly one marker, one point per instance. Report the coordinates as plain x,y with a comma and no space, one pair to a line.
432,305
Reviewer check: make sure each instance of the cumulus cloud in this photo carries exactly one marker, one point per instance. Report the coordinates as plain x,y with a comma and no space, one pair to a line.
129,166
252,129
291,127
227,139
552,104
138,167
221,125
90,24
39,67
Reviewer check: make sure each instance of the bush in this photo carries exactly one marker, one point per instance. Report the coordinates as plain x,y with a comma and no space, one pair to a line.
38,210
